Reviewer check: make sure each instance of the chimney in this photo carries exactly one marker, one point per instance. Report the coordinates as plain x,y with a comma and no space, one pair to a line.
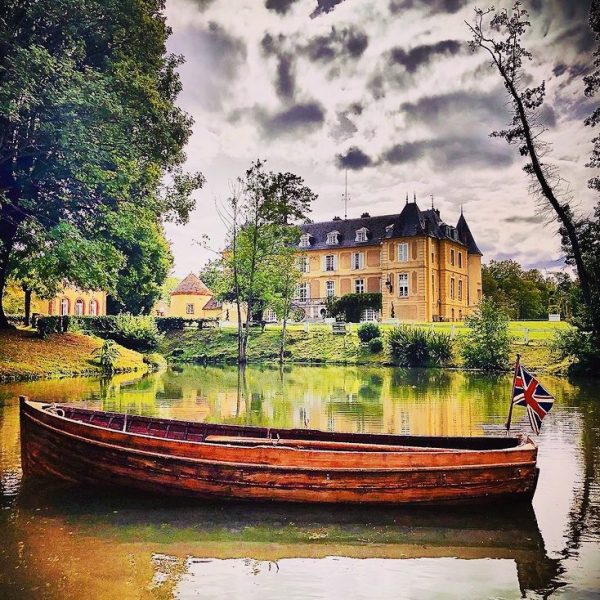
365,215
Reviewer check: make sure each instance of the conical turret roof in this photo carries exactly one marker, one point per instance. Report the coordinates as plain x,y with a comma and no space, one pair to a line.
191,285
466,237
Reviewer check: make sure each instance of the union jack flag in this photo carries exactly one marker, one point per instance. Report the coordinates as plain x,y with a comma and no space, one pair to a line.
527,391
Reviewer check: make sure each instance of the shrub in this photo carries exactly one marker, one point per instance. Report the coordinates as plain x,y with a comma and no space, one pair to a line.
375,345
138,333
107,356
579,346
368,332
52,324
155,361
416,347
487,344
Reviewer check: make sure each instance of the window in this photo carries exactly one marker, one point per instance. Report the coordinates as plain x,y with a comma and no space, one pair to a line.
64,307
329,263
79,306
453,314
332,238
305,240
460,260
432,284
303,264
452,288
358,260
451,257
189,309
402,252
460,317
361,235
403,285
93,308
302,292
433,258
460,289
359,286
330,289
369,315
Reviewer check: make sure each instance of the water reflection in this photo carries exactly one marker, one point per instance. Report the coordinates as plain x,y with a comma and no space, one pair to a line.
70,543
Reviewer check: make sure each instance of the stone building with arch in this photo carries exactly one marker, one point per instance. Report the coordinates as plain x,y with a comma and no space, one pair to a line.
71,301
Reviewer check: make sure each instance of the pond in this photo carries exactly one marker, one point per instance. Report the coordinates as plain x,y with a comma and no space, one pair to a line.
61,543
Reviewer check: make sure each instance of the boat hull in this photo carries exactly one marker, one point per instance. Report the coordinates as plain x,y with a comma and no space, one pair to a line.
85,454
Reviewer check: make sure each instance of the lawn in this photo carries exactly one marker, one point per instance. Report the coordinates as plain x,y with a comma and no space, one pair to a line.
23,355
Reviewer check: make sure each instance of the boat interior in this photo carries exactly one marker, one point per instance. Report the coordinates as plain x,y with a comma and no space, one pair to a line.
243,435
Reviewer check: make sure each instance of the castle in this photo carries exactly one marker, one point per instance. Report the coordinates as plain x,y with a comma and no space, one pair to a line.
425,269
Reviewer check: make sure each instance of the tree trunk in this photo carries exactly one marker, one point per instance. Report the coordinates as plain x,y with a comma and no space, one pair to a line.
4,255
561,212
283,339
27,307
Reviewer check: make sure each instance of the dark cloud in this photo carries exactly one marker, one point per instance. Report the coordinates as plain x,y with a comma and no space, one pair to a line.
354,159
299,117
479,107
324,7
279,6
431,6
220,56
355,108
285,81
452,152
350,42
203,4
344,128
418,56
524,219
546,116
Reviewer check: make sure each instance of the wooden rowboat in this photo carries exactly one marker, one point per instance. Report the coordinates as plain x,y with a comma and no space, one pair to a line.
205,460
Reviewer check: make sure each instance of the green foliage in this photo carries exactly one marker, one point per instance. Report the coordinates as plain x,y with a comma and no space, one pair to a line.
165,324
417,347
155,361
136,332
487,344
107,356
52,324
521,294
375,345
368,331
351,306
89,123
147,260
578,346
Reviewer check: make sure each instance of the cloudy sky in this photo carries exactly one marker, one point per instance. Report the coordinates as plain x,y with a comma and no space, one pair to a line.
388,89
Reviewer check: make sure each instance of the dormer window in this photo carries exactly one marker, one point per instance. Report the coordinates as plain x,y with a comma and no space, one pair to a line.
305,240
333,238
361,234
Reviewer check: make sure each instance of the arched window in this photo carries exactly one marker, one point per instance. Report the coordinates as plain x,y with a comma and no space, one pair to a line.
93,307
64,307
79,307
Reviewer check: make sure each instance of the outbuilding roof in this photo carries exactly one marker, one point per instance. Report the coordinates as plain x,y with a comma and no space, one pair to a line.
191,285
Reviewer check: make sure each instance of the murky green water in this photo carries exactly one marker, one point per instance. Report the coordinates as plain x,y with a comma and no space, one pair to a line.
62,543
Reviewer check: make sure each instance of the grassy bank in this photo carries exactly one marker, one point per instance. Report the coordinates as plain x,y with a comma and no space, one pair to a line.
23,355
319,345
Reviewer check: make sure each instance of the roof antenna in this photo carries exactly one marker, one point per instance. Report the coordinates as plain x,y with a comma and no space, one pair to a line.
406,197
461,209
415,197
432,206
346,198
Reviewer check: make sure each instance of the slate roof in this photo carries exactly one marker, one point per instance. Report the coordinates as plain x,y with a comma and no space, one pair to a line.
466,237
410,222
191,285
212,304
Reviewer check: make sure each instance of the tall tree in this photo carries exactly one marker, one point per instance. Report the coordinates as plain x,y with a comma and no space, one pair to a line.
500,34
261,204
88,119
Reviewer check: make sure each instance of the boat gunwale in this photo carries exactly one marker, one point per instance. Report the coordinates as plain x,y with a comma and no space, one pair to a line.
268,466
524,441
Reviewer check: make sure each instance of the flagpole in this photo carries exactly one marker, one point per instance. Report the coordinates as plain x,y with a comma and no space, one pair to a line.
512,391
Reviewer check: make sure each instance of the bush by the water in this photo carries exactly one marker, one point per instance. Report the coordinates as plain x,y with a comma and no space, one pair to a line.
580,347
487,343
368,331
107,356
375,345
416,347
